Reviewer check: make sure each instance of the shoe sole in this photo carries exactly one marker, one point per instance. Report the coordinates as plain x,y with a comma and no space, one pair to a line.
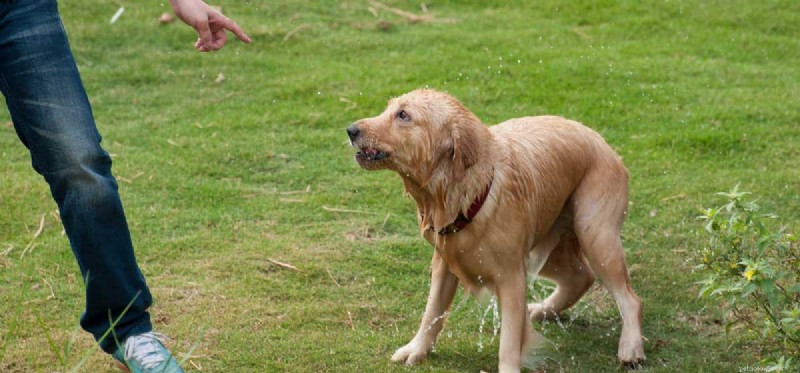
123,368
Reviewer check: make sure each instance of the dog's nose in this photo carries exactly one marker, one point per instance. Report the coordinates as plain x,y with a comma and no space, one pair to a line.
353,131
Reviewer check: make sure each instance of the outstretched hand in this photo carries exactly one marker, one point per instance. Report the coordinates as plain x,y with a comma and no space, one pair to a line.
209,23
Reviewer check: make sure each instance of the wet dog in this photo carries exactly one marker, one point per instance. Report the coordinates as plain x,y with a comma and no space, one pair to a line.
532,196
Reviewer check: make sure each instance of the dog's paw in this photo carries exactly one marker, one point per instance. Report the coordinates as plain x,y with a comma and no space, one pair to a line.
631,356
538,312
410,354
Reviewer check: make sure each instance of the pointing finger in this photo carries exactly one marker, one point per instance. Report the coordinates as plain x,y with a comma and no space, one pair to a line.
235,29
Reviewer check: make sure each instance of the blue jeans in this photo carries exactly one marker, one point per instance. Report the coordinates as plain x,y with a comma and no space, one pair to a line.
53,118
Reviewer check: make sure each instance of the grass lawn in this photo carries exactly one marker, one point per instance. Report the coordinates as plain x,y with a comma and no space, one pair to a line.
221,179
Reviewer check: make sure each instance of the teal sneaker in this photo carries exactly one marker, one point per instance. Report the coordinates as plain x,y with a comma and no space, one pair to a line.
145,353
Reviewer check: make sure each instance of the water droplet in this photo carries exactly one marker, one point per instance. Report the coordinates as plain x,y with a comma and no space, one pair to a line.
492,306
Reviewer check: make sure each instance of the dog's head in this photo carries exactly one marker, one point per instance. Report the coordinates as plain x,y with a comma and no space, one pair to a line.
420,133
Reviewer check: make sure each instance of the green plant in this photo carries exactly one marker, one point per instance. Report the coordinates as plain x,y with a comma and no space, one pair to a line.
754,268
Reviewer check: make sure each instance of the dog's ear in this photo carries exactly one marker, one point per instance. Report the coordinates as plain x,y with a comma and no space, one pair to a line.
466,146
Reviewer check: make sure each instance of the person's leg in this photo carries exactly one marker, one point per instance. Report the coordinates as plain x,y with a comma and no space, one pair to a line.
53,118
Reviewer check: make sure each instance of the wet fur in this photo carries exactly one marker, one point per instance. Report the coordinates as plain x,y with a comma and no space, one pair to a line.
557,202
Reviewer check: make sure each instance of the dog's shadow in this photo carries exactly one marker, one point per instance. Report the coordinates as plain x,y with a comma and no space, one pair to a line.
571,343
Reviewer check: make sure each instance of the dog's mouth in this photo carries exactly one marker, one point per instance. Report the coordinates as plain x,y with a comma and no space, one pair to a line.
371,155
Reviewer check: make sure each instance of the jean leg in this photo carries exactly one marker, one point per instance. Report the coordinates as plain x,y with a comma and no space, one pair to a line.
53,118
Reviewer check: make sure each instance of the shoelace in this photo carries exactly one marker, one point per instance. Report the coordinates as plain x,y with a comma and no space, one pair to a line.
146,349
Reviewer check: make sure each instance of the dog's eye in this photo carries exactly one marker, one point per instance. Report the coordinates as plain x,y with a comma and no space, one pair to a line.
403,115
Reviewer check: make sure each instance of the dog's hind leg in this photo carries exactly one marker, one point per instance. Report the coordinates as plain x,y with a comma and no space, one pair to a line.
572,276
600,204
443,288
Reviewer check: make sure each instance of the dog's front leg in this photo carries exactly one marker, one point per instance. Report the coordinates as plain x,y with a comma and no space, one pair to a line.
443,288
515,325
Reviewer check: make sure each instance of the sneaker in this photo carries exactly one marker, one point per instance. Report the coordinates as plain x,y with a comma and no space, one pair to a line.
145,353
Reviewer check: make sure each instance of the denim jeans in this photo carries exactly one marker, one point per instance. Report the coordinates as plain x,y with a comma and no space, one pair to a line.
53,118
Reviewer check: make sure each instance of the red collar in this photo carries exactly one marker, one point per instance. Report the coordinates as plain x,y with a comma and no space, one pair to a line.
462,221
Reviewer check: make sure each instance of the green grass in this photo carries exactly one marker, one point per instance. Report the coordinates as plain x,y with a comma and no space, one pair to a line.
219,178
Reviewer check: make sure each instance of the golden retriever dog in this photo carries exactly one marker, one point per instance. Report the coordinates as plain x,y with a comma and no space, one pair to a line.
534,196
